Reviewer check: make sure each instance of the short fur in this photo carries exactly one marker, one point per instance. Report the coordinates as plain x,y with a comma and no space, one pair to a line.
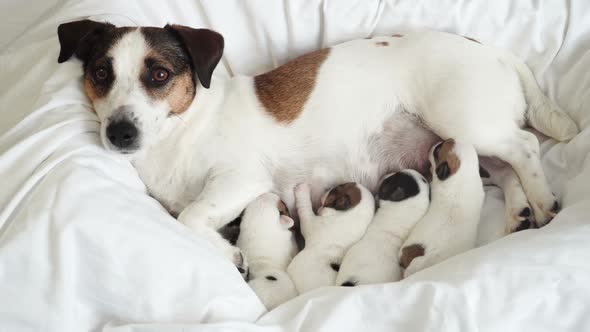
403,200
449,227
328,236
269,246
371,110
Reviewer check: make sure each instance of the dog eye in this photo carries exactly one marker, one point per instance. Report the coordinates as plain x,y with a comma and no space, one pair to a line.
160,75
101,74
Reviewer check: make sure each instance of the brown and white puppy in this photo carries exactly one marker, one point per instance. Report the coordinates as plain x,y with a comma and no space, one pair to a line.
450,224
206,147
269,246
342,219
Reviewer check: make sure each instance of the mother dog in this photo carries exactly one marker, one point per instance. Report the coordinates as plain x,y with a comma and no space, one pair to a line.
205,147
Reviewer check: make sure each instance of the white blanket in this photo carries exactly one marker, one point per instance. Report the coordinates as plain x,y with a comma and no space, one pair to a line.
84,248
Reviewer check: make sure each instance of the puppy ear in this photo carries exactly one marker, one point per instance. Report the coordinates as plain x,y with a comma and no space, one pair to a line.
286,221
443,171
205,48
72,36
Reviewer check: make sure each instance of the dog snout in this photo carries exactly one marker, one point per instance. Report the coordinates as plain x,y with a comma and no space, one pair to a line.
122,133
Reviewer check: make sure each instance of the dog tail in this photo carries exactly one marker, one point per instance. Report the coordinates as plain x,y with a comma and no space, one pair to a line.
542,113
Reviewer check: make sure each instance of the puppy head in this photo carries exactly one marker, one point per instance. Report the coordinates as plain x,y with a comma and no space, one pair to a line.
403,185
265,230
139,79
267,211
449,157
341,198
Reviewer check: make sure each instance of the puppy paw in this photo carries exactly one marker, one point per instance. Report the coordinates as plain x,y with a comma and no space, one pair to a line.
240,262
301,189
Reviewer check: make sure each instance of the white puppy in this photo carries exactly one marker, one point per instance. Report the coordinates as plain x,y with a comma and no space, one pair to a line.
269,246
403,200
342,219
450,225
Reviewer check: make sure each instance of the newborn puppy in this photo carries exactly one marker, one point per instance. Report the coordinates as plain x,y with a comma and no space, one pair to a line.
403,201
269,246
450,225
342,219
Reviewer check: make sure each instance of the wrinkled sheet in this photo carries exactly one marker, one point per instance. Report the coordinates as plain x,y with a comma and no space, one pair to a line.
83,247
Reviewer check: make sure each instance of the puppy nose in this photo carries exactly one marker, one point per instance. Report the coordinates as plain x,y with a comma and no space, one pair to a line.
122,133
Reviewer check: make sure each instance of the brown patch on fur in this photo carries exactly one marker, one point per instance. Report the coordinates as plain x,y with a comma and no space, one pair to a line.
90,90
383,43
447,154
473,40
409,253
283,210
368,37
397,35
284,90
179,92
343,197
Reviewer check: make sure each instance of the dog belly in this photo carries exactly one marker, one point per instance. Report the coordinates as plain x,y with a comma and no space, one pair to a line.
401,142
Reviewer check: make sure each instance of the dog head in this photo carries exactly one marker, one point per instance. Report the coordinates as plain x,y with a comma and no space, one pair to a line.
265,230
450,157
404,198
343,198
403,185
139,78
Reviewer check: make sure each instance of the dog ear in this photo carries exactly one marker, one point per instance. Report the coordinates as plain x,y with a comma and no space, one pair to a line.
443,171
72,36
286,221
205,48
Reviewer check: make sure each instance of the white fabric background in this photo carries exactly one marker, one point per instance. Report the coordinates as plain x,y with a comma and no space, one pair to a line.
84,248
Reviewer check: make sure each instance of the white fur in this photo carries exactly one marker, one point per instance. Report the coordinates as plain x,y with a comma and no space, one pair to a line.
374,259
269,246
328,236
450,224
518,212
208,163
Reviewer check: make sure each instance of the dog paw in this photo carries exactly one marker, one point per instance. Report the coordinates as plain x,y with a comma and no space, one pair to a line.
302,191
546,211
519,219
240,262
301,188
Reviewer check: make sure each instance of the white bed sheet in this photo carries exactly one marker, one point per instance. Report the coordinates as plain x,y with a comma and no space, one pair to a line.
83,247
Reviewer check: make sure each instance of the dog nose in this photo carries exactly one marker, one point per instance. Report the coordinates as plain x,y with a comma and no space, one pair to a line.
122,133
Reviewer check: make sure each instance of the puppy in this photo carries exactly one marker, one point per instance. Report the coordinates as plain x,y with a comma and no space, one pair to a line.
346,211
403,201
450,225
269,245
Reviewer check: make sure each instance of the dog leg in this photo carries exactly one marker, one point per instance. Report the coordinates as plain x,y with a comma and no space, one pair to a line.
220,202
521,151
519,215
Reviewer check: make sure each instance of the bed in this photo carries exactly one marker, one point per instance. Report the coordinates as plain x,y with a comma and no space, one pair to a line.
83,247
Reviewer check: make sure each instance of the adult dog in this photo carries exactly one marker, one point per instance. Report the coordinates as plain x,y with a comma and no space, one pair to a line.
206,147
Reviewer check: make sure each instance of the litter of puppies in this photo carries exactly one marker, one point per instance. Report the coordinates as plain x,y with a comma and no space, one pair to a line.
358,239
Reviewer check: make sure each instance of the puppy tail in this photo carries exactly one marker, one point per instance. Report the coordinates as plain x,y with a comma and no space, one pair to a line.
542,113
